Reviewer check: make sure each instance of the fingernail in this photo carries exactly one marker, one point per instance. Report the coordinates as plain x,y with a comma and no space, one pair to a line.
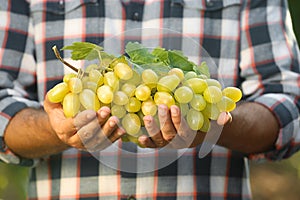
162,112
103,114
174,111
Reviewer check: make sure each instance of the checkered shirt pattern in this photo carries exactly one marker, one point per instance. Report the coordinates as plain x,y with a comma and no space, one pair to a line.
251,43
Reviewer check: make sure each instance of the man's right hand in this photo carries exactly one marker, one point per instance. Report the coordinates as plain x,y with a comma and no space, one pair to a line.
88,130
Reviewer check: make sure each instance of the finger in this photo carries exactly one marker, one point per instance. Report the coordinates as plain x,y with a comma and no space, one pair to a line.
146,141
83,118
154,131
167,129
103,114
224,118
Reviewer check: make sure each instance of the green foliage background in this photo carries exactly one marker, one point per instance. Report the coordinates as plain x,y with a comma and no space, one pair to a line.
13,179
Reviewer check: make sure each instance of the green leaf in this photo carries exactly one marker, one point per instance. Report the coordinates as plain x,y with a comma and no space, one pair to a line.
139,54
177,59
84,51
202,69
161,54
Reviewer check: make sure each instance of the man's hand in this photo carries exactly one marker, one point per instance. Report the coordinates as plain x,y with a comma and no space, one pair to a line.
172,130
88,130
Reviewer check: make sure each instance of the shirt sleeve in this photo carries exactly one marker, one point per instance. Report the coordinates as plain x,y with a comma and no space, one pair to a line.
270,67
17,69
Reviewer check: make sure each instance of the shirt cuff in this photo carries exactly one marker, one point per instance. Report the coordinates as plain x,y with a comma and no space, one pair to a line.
287,114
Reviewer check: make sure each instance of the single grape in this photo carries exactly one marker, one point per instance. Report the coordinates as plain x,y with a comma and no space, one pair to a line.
195,119
213,82
226,104
212,94
91,67
105,94
183,94
120,98
71,104
211,111
128,89
90,85
67,77
150,78
123,71
133,105
131,123
206,125
198,102
89,100
198,85
168,83
96,76
75,85
111,80
118,111
178,72
190,74
164,98
233,93
149,107
58,92
142,92
135,79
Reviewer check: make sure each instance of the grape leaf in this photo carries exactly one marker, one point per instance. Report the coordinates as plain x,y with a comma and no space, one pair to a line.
139,54
178,60
202,69
84,51
161,54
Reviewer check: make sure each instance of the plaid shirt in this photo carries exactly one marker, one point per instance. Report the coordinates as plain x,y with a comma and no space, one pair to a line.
251,42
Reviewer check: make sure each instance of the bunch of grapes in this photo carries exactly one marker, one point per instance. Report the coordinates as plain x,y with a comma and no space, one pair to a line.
132,94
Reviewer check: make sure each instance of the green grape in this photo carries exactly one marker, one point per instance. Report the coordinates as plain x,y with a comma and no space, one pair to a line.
120,98
67,77
118,111
198,102
150,78
128,89
133,139
168,83
233,93
206,125
133,105
111,80
75,85
190,74
149,107
183,94
164,98
135,79
90,85
91,67
131,123
212,94
71,104
96,76
226,104
142,92
105,94
198,85
211,111
89,100
123,71
195,119
125,138
58,92
213,82
184,108
178,72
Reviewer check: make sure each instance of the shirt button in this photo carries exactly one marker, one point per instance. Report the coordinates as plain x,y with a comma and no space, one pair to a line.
209,3
131,197
136,16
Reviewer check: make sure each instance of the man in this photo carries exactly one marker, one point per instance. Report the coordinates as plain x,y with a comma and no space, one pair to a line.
252,44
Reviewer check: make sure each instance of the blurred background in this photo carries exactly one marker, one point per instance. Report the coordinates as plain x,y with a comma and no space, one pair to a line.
270,180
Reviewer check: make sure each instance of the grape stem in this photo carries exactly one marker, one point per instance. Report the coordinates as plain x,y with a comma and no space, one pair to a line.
56,52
